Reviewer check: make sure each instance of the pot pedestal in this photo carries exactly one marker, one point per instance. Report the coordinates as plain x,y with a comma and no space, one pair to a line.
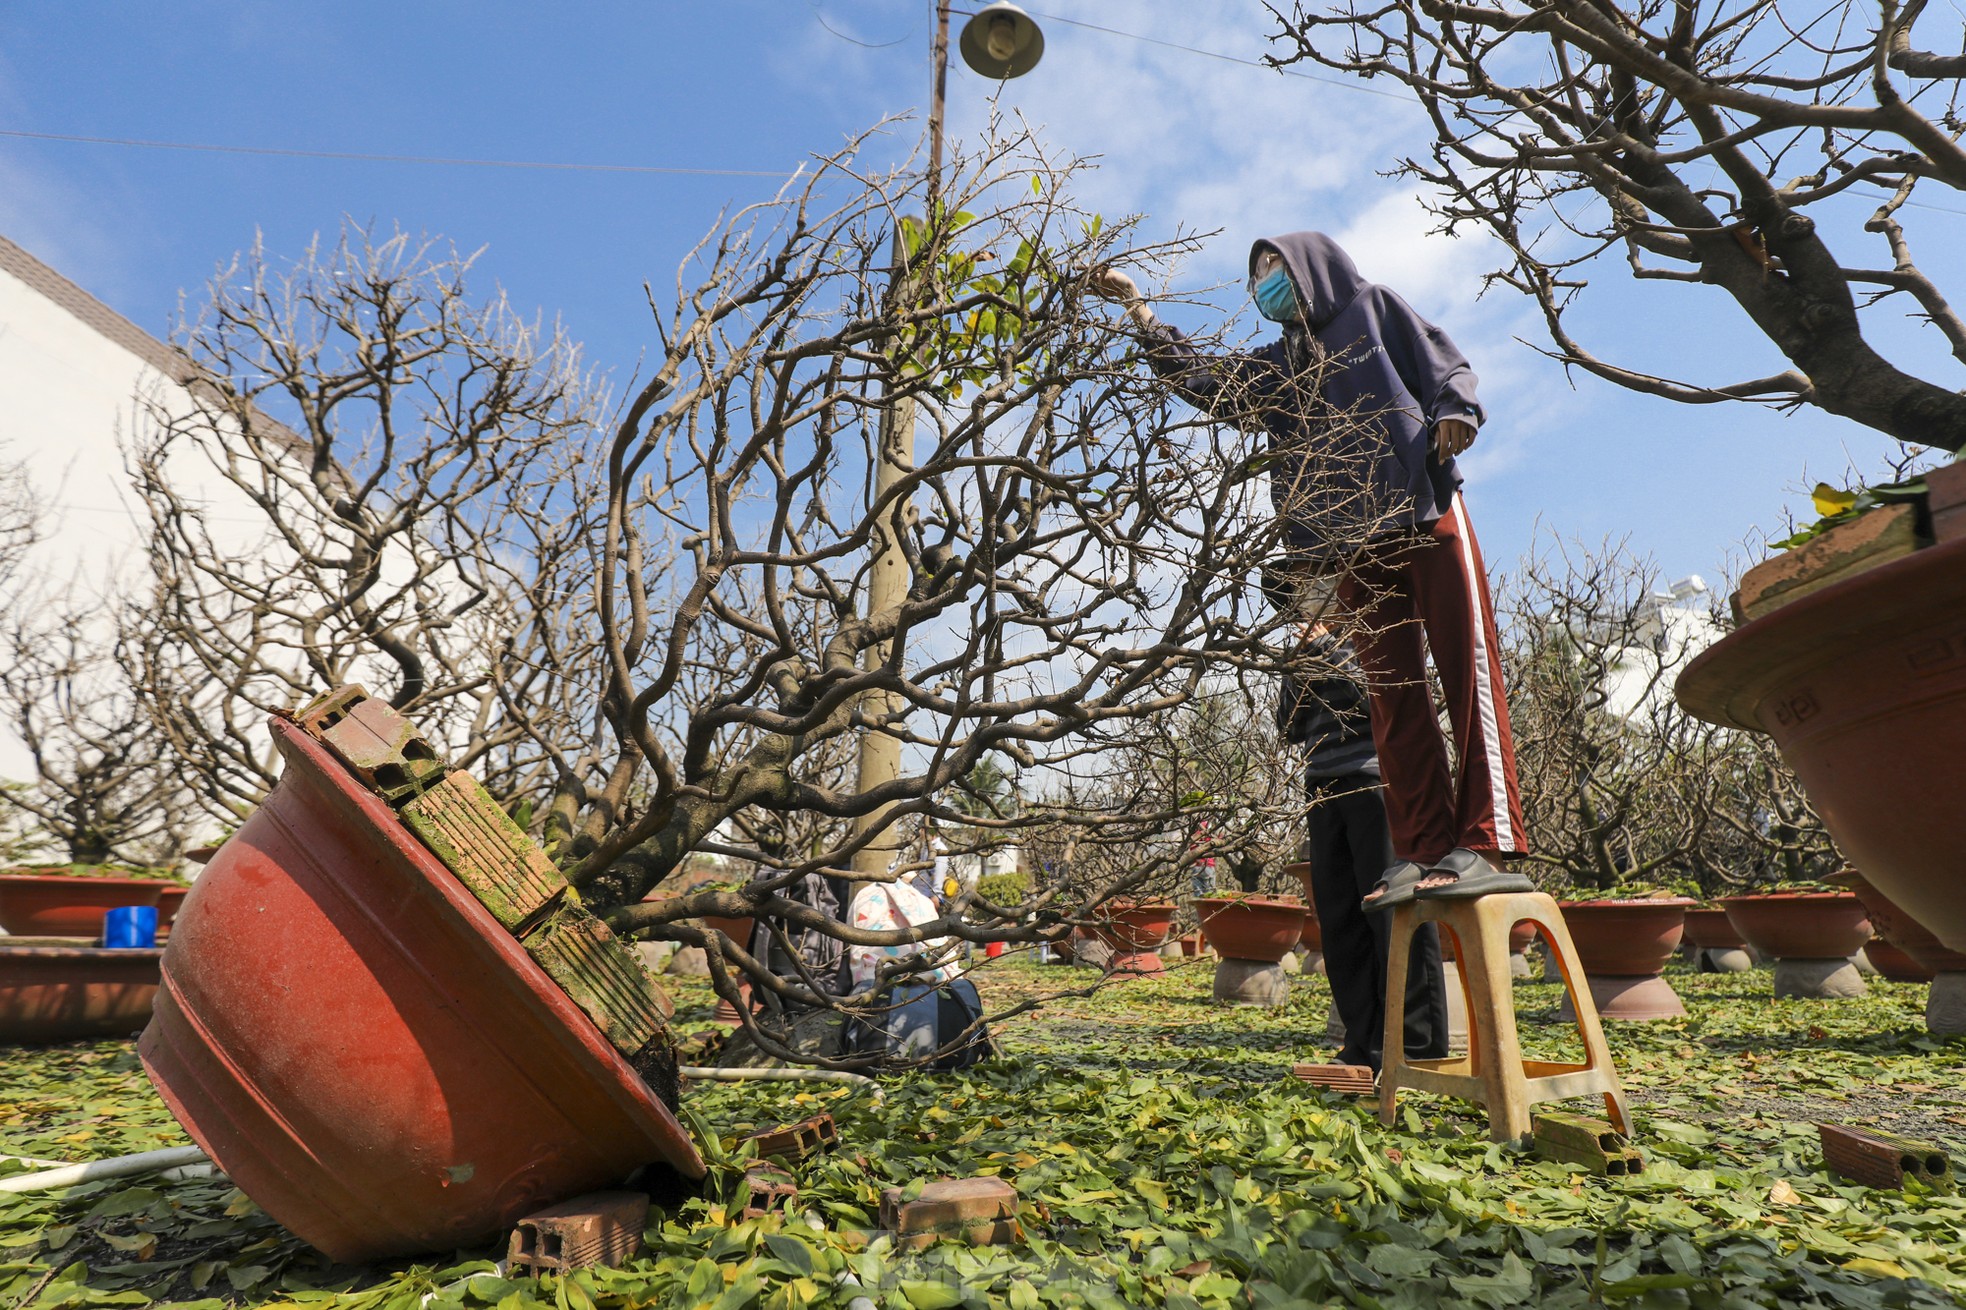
1945,1004
1457,1008
1639,999
1310,962
1728,959
1836,979
1862,960
1251,982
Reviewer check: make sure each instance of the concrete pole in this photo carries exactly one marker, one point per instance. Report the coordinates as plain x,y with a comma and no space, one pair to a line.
887,584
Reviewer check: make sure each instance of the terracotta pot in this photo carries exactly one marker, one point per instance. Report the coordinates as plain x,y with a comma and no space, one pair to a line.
1313,936
1709,928
1800,925
61,993
1521,937
169,902
737,929
1895,964
1625,938
1191,945
1863,687
1899,928
66,904
366,1052
1135,930
1250,928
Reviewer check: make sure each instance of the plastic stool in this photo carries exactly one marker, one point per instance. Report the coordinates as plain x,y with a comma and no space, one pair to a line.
1493,1072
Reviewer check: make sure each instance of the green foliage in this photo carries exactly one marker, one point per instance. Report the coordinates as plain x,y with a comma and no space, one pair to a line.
1835,508
1003,889
1162,1158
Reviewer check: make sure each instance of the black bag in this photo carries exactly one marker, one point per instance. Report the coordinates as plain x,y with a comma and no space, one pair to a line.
917,1018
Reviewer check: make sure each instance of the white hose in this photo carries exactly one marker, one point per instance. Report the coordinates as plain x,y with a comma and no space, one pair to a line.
784,1076
38,1164
69,1175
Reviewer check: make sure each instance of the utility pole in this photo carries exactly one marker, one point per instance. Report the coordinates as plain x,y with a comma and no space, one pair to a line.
1006,44
887,582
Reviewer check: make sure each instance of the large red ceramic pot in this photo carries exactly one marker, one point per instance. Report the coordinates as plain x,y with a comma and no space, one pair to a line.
1898,928
366,1052
1626,939
1800,925
1622,946
62,993
1136,930
1312,938
1863,687
1709,928
1894,964
1250,927
67,905
169,901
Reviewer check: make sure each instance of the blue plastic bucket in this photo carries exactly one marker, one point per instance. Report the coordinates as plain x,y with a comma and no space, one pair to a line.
130,927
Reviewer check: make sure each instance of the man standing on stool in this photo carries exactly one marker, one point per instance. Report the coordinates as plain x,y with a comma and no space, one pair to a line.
1350,845
1367,404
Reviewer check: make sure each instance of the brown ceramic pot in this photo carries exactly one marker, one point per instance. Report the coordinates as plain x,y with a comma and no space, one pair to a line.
1313,936
61,993
1522,937
1251,927
1899,928
68,905
1863,687
1136,930
1800,925
1708,927
1625,938
1895,964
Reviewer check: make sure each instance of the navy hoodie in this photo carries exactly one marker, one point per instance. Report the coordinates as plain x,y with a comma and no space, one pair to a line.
1349,398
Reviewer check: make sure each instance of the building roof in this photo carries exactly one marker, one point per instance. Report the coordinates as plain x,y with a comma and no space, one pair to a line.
166,359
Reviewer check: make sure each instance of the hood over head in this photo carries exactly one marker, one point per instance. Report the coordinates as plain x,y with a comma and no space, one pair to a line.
1326,278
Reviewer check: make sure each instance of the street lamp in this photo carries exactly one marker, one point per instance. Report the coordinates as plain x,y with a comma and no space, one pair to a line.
1001,41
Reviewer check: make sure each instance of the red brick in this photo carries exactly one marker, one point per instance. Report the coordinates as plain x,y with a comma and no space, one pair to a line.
1346,1079
979,1211
794,1142
600,1228
771,1189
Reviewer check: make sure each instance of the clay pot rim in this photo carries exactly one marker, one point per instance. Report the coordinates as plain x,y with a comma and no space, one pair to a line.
1251,902
1123,906
1841,898
93,954
1647,902
90,879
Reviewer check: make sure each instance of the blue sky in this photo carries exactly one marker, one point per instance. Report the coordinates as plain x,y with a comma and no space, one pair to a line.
1190,142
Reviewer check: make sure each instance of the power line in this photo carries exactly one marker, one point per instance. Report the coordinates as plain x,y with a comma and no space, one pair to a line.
1227,58
392,159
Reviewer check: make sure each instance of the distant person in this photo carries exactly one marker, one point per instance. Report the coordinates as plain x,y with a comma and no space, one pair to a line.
1349,845
1367,405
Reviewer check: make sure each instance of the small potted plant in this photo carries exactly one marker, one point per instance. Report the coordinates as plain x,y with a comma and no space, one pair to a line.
70,900
1945,1001
1135,930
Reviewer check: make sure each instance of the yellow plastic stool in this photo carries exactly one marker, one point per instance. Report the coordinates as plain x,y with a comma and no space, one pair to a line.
1493,1072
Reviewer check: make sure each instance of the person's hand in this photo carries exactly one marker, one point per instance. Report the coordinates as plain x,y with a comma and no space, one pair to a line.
1108,283
1451,437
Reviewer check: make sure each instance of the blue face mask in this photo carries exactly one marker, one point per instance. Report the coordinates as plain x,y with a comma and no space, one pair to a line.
1276,298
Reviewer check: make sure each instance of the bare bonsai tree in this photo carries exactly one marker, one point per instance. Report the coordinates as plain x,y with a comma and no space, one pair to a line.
659,638
379,481
1622,787
1700,144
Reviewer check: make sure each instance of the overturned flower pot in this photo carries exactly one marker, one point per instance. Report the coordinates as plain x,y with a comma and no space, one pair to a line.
1134,931
52,993
1251,934
1623,946
1810,936
368,1051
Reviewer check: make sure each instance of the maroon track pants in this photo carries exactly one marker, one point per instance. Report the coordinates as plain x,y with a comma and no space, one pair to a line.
1427,594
